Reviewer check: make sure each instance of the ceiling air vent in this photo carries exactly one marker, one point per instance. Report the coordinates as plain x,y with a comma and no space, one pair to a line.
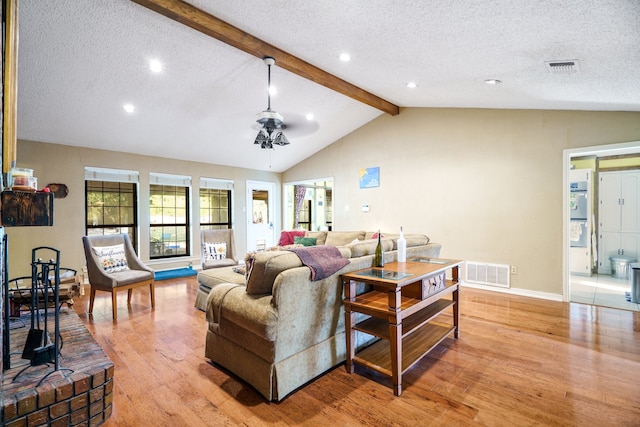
563,67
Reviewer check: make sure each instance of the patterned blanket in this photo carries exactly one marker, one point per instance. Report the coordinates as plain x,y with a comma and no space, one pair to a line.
323,261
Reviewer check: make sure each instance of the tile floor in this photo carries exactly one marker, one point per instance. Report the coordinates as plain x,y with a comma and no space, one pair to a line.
602,290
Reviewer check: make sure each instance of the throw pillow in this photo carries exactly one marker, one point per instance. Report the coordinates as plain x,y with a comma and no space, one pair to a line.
305,241
265,268
286,237
111,258
215,251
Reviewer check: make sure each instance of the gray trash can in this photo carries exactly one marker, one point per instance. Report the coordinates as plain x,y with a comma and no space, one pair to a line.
620,266
635,282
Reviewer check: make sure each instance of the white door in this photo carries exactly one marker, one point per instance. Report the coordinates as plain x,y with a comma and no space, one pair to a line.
609,213
260,215
630,206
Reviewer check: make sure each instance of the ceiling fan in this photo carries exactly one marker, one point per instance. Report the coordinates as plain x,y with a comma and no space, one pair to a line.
272,123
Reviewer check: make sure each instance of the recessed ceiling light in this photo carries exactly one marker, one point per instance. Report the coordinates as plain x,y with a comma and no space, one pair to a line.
492,81
155,66
345,57
412,85
309,116
272,90
129,108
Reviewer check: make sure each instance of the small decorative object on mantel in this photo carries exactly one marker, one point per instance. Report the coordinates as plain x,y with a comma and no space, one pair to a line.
60,191
22,179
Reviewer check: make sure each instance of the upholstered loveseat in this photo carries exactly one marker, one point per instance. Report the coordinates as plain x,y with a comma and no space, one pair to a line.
276,328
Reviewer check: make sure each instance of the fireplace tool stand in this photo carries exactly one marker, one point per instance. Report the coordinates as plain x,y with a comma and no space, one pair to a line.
45,293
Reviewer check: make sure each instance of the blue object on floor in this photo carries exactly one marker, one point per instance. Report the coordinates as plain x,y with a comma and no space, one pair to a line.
178,272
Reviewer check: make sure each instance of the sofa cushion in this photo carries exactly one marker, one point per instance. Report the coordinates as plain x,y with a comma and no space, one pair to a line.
320,236
368,247
213,277
266,266
412,239
416,240
305,241
341,238
344,251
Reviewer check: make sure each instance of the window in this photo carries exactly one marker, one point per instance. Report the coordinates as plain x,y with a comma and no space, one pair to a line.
305,215
215,209
260,206
111,202
215,203
169,217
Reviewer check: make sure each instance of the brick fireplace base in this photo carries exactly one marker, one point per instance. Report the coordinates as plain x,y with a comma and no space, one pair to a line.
79,394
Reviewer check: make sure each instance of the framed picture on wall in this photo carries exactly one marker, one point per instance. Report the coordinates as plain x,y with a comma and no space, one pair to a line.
370,177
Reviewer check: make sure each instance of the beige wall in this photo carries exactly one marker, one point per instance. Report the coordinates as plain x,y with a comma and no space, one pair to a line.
486,184
54,163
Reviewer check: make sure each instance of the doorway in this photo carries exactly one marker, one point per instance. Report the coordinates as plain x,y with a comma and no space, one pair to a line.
261,220
593,287
308,205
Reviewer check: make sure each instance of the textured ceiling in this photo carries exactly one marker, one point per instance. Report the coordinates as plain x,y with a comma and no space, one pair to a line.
81,60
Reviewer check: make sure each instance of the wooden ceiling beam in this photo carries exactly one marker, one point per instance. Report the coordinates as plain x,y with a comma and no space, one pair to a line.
208,24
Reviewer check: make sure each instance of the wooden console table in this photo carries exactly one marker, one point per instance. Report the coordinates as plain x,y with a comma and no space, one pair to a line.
401,308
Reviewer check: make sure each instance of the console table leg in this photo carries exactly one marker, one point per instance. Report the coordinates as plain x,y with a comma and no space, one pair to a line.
396,358
350,334
456,312
349,322
395,338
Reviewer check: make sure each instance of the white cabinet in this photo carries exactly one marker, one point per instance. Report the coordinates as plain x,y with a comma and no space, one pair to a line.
619,209
612,244
580,260
618,217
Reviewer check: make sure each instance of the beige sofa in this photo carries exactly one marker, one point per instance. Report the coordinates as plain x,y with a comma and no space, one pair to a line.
276,329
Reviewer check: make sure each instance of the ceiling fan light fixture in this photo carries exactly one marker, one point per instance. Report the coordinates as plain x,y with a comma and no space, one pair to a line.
261,137
280,139
270,134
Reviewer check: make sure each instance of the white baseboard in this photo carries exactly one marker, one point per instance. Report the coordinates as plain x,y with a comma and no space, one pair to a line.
516,291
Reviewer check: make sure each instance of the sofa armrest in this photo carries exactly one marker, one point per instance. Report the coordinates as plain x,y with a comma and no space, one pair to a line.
216,299
229,304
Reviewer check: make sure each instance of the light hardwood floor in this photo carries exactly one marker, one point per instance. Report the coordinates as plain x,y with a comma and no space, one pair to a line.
519,362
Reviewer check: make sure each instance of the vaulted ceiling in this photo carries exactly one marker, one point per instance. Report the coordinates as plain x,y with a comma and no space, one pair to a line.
80,61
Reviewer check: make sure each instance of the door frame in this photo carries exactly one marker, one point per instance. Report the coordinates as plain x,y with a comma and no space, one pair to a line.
287,201
631,147
274,222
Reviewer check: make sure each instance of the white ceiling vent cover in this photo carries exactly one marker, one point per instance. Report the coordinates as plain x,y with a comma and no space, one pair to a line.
488,274
569,66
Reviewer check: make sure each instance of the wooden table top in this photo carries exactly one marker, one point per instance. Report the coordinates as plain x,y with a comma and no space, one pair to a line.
399,274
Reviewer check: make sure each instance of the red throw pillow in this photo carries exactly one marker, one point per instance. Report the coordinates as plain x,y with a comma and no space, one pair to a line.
287,237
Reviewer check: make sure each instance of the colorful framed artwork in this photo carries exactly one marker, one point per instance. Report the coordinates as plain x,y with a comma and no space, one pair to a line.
370,177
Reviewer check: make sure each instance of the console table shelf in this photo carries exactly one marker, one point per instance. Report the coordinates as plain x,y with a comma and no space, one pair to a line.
380,327
406,310
414,347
